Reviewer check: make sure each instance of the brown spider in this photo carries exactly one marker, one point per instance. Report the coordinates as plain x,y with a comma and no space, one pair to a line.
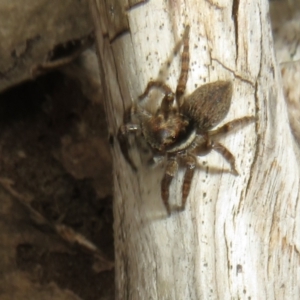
181,130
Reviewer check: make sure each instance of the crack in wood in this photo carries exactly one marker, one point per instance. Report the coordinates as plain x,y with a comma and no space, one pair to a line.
234,14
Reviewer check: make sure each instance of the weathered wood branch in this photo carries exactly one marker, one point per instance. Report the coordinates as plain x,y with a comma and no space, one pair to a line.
239,237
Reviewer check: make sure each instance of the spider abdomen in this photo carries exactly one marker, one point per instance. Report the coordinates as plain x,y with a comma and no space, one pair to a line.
208,105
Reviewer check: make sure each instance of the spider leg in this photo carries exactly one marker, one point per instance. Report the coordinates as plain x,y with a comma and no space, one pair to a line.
204,145
225,153
231,125
156,84
123,133
166,65
171,170
190,162
185,60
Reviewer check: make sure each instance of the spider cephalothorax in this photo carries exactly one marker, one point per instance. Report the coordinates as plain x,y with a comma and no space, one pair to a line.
181,127
164,133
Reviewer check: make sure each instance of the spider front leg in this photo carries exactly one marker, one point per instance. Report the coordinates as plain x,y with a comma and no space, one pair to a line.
171,170
156,84
185,61
167,101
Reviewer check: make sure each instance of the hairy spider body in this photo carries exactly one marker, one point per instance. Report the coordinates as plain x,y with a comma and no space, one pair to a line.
208,105
166,134
181,128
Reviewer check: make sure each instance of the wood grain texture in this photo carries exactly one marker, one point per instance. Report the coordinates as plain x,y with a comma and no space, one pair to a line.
239,236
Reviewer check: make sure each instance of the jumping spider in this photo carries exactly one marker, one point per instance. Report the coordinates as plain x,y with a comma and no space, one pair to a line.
181,128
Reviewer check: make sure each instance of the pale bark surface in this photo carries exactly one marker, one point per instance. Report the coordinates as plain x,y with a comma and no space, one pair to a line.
239,237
